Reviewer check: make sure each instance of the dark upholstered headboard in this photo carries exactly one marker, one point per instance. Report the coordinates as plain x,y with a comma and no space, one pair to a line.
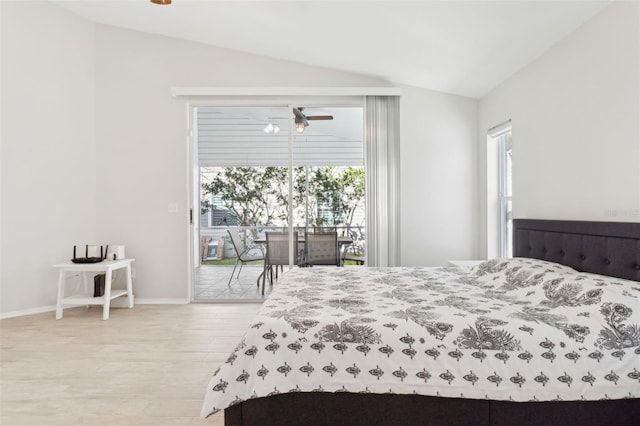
606,248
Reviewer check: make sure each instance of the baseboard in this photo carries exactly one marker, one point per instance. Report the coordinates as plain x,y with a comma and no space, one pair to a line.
120,302
162,301
24,312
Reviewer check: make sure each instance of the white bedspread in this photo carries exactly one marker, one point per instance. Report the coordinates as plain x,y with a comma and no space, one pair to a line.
517,329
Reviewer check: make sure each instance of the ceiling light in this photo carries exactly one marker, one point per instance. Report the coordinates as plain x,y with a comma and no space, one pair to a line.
299,127
271,128
161,1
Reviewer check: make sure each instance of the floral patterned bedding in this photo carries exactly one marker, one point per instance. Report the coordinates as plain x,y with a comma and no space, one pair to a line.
507,329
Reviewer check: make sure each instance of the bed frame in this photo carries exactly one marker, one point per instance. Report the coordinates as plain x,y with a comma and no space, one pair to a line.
606,248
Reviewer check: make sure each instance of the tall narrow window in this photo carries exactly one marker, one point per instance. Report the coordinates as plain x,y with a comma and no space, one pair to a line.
506,213
499,191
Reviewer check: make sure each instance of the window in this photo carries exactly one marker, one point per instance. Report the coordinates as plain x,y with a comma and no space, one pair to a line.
499,191
505,147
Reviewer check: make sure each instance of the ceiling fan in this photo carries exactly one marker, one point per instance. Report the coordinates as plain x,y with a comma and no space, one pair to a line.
302,120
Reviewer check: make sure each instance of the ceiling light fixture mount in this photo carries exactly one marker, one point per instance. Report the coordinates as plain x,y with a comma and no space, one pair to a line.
161,1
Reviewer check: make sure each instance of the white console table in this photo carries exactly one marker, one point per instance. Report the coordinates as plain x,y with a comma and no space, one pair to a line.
86,298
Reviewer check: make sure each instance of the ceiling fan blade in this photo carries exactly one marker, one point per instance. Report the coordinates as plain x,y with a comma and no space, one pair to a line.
319,117
298,113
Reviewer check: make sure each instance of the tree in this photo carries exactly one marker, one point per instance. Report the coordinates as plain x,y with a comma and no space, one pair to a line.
258,196
334,194
352,191
252,194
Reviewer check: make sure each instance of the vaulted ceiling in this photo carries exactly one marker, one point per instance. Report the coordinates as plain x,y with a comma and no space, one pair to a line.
460,47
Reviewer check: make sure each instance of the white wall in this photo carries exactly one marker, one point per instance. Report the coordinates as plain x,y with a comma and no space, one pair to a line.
142,142
149,140
438,177
109,152
48,148
576,123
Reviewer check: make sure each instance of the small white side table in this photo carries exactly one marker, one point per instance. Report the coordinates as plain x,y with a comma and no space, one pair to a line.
86,298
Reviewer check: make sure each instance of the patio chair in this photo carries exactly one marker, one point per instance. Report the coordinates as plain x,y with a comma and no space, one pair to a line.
277,254
322,249
243,252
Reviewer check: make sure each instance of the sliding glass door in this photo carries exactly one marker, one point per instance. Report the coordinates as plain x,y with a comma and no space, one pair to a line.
329,175
263,169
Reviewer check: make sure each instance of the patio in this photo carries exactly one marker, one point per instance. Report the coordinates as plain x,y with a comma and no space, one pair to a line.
212,284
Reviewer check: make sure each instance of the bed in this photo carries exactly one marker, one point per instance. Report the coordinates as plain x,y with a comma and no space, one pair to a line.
551,336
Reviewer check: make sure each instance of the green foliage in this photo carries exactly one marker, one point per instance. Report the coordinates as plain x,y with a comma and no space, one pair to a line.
259,195
249,193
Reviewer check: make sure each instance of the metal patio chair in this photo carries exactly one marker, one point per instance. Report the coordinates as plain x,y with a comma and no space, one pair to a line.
322,249
277,254
243,252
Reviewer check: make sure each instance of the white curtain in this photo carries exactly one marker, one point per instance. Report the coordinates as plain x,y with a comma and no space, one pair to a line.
382,165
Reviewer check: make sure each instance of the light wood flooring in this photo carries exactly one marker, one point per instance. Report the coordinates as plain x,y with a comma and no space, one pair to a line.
149,365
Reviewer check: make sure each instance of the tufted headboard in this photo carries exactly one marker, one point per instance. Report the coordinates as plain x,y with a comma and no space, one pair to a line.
606,248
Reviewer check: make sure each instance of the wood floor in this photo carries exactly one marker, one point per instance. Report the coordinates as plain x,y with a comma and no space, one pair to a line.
149,365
